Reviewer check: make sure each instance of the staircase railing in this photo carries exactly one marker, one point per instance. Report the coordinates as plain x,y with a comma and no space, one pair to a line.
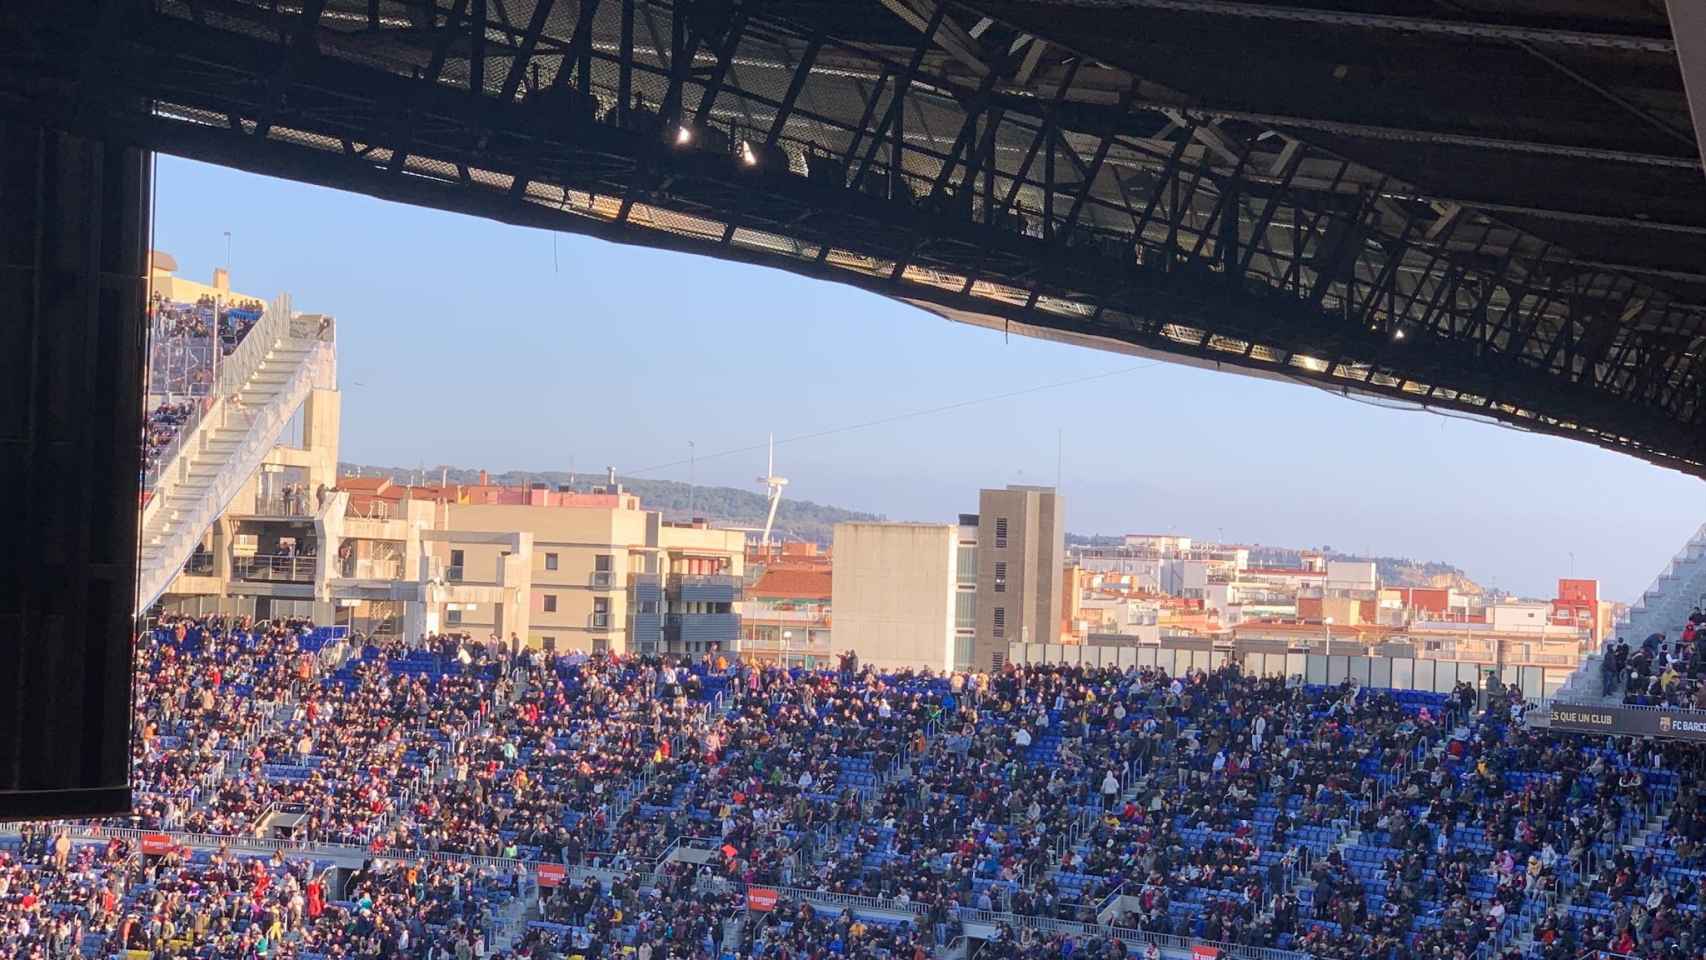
262,431
160,476
274,324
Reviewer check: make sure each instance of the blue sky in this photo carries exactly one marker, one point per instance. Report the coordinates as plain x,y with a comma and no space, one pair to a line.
477,344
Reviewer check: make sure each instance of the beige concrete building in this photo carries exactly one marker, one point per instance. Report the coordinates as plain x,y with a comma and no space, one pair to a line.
1021,557
593,578
569,572
893,593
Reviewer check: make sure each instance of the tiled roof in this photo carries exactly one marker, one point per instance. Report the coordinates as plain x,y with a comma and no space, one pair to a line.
796,583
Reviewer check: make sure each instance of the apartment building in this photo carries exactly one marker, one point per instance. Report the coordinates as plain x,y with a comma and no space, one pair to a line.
557,569
1021,556
785,619
568,564
591,572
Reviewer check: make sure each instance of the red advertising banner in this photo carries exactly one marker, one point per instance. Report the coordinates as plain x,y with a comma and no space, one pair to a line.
1204,952
761,899
550,874
156,844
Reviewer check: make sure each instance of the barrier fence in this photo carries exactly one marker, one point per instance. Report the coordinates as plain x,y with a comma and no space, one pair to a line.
1127,935
1382,671
268,845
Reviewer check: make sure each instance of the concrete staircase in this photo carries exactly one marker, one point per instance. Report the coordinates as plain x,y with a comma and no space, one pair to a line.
263,383
1636,844
1663,608
511,923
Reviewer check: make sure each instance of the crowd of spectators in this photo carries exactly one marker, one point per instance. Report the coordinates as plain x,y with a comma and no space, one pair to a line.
1658,671
682,913
161,427
185,342
1217,806
62,899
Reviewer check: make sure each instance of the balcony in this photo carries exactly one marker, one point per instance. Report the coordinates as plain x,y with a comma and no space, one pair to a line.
802,641
371,568
645,627
453,574
298,507
274,568
783,615
602,580
645,587
702,628
690,588
598,621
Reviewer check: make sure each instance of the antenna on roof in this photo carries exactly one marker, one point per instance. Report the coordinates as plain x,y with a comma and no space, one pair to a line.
773,485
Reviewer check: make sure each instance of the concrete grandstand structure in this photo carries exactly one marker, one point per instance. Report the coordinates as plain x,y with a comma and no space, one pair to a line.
1663,608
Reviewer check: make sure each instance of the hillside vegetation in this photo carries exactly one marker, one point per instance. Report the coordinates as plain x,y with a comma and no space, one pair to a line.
723,506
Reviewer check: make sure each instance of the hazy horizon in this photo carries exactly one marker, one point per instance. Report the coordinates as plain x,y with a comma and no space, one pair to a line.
477,344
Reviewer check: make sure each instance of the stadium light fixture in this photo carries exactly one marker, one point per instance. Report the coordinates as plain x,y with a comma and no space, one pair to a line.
683,136
746,155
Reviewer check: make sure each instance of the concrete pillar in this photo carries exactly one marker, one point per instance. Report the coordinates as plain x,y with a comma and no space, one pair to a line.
222,553
73,296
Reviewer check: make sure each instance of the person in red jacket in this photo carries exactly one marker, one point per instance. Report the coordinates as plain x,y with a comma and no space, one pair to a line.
316,899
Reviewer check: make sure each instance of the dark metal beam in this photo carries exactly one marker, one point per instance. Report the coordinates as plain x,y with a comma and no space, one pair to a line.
732,30
1385,260
529,43
808,58
406,123
1421,26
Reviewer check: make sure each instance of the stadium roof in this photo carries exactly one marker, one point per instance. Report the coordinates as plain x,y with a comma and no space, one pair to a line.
1485,206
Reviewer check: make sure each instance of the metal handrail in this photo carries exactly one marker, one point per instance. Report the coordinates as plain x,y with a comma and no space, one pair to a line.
168,457
1129,935
273,325
283,506
269,845
278,568
259,431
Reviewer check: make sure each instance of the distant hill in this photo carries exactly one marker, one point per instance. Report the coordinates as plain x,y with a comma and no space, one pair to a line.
1394,571
724,506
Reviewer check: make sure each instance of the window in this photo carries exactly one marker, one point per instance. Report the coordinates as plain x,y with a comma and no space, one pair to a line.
603,567
453,616
456,558
550,561
549,643
600,612
965,610
1000,576
1001,531
1001,621
965,564
550,603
